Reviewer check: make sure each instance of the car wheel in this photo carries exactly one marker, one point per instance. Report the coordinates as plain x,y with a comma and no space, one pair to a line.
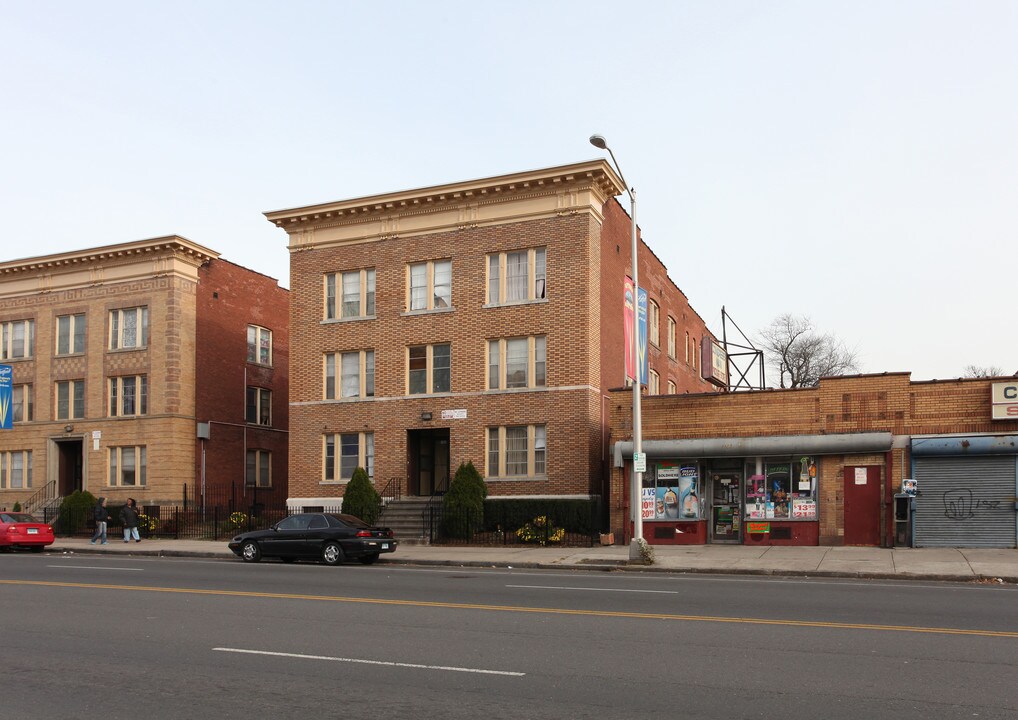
332,554
250,552
368,559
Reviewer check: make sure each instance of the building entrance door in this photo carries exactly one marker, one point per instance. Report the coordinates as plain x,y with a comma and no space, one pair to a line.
70,464
429,461
726,506
862,505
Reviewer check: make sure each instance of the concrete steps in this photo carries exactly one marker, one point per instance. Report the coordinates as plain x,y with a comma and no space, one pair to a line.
404,517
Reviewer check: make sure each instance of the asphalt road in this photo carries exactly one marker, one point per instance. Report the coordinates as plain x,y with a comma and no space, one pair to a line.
130,637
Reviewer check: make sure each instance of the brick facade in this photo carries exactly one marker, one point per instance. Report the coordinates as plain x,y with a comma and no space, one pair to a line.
585,234
889,403
165,276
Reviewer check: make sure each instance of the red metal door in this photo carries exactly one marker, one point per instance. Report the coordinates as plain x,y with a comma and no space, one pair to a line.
862,505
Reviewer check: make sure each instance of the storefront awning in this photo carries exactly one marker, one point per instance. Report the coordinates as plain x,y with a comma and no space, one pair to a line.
758,446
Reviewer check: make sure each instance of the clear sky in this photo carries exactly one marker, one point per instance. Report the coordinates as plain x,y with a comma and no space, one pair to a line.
856,162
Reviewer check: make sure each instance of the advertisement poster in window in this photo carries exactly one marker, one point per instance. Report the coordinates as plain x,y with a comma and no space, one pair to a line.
779,480
647,504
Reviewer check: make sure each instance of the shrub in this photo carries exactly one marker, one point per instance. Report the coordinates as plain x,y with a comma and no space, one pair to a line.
75,512
361,499
463,504
17,507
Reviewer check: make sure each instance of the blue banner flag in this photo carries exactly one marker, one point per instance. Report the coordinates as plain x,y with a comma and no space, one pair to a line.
6,391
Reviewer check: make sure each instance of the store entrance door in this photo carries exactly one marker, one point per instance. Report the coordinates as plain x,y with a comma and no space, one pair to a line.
726,506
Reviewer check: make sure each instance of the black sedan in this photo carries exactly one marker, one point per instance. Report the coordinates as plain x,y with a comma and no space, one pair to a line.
332,538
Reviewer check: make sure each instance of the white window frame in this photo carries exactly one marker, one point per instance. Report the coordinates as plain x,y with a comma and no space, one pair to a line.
256,336
430,370
671,337
497,365
8,459
671,387
497,449
115,388
433,281
8,331
259,465
333,291
116,339
333,387
73,408
115,466
262,405
654,323
332,462
496,286
23,398
70,330
654,383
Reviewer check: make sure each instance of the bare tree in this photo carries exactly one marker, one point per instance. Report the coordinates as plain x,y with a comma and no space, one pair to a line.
981,371
801,355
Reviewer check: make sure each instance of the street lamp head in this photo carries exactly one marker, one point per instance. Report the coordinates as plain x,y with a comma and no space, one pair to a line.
598,141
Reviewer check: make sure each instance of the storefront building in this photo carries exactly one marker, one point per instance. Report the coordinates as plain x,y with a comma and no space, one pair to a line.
823,465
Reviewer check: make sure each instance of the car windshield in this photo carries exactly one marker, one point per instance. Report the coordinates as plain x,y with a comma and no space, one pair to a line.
17,518
348,520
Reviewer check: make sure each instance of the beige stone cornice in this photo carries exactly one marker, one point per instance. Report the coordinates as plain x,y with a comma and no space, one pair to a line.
158,257
548,192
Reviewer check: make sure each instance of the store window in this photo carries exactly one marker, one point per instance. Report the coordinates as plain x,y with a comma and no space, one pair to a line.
787,490
672,491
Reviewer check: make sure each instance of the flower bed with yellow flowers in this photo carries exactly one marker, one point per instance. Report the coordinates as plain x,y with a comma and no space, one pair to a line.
540,532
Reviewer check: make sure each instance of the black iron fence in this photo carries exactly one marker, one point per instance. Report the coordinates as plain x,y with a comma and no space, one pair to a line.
531,522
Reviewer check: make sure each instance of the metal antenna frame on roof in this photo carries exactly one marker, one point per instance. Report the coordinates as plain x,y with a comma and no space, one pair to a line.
755,356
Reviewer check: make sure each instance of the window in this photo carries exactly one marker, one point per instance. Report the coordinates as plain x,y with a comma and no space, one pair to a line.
429,285
128,395
345,452
524,361
128,328
654,384
16,470
356,374
787,490
517,451
358,294
17,339
687,347
515,277
22,407
258,408
70,334
671,387
429,369
259,469
671,338
259,345
692,357
654,322
128,466
70,399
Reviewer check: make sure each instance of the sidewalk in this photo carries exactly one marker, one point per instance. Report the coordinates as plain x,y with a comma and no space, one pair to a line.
963,564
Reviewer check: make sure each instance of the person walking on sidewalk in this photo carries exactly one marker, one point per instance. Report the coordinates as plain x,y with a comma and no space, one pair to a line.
102,516
129,519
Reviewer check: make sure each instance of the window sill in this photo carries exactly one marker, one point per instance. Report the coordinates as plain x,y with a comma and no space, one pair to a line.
61,356
333,482
514,303
259,364
355,318
123,349
358,398
255,425
518,478
432,311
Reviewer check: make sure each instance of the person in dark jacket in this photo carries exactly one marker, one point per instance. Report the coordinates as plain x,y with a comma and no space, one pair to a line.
129,519
102,516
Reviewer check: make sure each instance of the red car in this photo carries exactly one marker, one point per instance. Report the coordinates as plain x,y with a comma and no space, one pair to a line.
21,530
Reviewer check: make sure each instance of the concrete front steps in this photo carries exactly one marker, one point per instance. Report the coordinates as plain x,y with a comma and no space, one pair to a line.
405,518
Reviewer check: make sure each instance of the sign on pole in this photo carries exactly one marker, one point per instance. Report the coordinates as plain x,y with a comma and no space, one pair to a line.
6,393
639,462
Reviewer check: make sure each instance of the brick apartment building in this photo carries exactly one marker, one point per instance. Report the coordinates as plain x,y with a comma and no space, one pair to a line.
480,321
823,465
119,352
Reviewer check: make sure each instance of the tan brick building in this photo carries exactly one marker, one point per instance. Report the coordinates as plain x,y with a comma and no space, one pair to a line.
479,321
822,465
118,352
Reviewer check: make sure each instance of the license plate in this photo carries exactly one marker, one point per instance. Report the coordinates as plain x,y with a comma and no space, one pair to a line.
33,531
385,546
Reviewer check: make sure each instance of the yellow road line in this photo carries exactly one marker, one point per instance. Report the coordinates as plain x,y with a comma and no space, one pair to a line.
523,609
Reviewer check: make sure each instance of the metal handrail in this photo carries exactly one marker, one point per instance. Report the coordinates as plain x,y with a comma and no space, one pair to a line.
41,496
428,514
393,489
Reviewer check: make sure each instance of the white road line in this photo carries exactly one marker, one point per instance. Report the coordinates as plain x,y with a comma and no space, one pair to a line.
370,662
93,567
625,590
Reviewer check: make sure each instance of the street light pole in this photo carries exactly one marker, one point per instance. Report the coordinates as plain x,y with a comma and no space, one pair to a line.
635,551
